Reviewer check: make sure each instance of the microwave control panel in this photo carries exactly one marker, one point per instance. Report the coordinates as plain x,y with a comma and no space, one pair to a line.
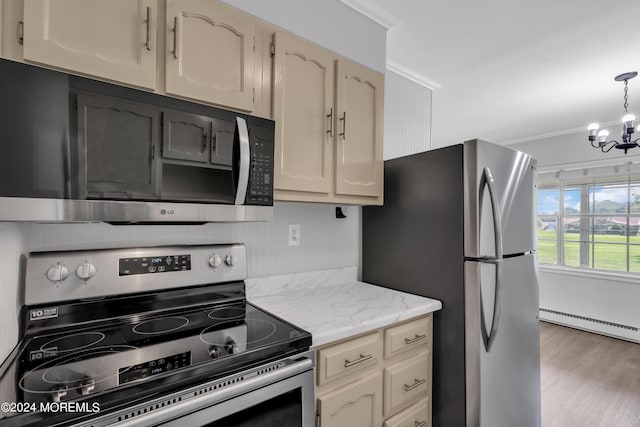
260,191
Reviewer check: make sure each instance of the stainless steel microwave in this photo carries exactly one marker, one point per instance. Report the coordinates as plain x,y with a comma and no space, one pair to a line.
76,149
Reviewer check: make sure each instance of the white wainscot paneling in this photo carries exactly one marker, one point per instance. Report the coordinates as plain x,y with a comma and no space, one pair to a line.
407,117
611,299
326,242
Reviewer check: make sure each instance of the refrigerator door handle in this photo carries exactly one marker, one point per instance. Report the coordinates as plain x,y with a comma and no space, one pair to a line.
487,180
489,338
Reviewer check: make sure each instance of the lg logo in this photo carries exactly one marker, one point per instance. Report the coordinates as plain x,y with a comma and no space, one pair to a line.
167,212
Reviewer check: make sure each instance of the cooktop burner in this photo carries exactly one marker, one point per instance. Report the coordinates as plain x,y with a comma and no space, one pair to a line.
73,342
227,313
161,325
58,377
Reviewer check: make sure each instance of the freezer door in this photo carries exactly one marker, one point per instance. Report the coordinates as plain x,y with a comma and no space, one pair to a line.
499,186
502,343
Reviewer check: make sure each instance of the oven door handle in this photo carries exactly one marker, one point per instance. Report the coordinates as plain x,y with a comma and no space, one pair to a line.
245,160
162,415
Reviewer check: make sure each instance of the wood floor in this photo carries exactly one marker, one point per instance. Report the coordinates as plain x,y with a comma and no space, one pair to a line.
588,379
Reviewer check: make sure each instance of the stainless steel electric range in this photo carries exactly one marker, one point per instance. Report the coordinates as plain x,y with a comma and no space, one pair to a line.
152,336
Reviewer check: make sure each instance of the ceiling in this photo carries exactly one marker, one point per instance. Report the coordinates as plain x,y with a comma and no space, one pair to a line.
512,70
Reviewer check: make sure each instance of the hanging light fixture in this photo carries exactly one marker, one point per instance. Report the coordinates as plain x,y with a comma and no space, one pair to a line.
627,125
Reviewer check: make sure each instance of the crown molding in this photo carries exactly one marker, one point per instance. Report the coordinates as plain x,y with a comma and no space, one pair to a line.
415,77
373,12
557,133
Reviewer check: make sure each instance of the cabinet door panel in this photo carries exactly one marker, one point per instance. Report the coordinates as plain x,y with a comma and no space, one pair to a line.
356,405
116,147
210,53
185,136
110,39
222,143
360,93
303,100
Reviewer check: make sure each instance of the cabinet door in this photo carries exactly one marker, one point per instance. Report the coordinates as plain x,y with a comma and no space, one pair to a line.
303,101
222,142
210,53
185,136
117,141
357,405
112,39
360,98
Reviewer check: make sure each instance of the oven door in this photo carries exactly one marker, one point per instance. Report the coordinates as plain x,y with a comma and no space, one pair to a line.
280,394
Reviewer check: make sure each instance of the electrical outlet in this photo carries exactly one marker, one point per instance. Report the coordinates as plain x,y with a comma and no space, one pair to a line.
294,234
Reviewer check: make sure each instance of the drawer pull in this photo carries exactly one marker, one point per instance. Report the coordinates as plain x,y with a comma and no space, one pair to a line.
417,383
363,358
415,339
420,423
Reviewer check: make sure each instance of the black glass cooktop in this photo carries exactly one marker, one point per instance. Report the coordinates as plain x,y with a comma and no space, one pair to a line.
115,361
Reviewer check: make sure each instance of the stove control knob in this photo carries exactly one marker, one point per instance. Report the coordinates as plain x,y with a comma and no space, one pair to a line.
215,261
58,273
214,352
230,260
231,346
58,393
86,271
87,386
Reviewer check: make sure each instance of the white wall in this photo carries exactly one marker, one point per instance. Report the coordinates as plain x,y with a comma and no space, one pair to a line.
407,117
603,296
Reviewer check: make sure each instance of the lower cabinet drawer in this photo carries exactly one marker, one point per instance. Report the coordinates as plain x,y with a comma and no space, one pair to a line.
417,415
406,381
351,356
355,405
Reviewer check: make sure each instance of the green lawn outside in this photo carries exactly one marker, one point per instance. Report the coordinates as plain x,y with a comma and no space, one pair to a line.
610,251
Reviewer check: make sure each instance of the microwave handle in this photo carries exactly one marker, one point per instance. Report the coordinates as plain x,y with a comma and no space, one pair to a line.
245,160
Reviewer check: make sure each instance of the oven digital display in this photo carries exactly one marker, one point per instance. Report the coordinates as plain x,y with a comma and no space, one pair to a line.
153,264
153,367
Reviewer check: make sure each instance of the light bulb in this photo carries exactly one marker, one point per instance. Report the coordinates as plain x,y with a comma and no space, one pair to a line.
593,128
628,118
602,137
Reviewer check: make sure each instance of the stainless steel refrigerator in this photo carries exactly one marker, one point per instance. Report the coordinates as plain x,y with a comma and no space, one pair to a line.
458,225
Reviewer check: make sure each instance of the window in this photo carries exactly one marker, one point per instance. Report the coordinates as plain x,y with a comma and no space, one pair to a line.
590,225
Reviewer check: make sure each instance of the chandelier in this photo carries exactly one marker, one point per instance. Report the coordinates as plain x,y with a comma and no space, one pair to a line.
627,125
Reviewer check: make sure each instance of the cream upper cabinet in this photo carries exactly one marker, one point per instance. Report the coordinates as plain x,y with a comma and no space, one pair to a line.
112,39
303,111
360,97
329,124
210,53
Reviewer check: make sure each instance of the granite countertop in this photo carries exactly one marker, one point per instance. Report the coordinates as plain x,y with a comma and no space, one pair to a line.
333,305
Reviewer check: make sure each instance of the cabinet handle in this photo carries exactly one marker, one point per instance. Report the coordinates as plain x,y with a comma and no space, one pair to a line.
175,38
417,383
363,357
343,119
21,32
420,423
330,117
415,339
148,43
